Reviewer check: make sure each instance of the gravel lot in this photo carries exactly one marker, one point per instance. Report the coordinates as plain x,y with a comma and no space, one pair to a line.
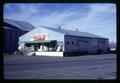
43,67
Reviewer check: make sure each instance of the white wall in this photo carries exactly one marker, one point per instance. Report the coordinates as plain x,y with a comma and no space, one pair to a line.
52,35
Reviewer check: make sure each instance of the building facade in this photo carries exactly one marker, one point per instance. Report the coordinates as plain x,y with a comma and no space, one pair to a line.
12,30
86,45
75,42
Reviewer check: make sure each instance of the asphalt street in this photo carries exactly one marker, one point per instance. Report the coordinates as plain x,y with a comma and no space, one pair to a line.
80,67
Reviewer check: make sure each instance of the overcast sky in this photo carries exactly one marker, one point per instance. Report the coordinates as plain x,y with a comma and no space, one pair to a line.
99,19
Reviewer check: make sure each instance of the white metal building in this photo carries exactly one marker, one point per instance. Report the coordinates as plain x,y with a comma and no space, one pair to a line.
71,42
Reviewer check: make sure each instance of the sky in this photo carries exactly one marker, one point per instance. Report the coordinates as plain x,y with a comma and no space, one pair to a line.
96,18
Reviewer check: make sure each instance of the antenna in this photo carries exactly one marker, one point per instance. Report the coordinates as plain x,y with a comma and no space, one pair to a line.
59,27
77,29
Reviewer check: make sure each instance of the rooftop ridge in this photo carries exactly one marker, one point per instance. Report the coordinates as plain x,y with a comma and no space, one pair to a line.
26,26
72,32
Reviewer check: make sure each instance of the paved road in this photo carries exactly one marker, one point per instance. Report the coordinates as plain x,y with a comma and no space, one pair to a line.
80,67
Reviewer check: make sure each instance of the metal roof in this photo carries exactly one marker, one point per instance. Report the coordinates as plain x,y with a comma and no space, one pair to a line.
20,24
73,33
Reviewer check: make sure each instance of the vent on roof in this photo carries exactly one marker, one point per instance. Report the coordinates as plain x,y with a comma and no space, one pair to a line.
76,29
59,27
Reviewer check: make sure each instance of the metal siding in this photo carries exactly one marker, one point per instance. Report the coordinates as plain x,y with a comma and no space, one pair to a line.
6,41
84,44
10,26
77,46
52,35
73,33
11,46
13,43
69,47
92,46
103,45
10,39
25,26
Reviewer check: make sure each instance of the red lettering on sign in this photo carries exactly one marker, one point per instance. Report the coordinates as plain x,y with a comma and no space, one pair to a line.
39,37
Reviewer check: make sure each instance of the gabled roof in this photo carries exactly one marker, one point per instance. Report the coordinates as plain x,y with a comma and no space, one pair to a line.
20,24
73,33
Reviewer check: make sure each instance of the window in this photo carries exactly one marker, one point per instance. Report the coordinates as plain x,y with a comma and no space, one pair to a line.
67,42
72,43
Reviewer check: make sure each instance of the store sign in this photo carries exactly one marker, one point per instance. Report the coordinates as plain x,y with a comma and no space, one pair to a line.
39,37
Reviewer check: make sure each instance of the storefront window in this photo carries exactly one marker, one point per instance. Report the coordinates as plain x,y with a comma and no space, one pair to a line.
72,43
67,42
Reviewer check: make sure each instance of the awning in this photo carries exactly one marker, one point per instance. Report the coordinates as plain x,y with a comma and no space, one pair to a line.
45,41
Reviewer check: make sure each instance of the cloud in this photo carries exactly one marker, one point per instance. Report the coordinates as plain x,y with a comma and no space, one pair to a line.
95,17
99,19
54,19
20,11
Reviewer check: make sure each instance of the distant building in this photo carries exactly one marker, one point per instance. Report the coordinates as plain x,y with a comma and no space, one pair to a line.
12,30
71,42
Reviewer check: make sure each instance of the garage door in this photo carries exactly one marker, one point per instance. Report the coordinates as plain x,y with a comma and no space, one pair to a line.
83,46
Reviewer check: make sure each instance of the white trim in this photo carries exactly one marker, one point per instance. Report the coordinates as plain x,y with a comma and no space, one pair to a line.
60,54
6,27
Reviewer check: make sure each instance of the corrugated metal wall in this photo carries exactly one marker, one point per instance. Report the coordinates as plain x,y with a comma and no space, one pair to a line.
11,34
76,44
84,44
6,40
10,39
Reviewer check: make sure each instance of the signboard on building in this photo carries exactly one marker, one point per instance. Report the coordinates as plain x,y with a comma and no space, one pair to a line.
39,37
